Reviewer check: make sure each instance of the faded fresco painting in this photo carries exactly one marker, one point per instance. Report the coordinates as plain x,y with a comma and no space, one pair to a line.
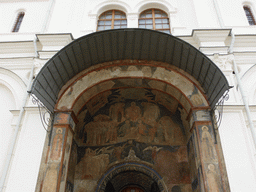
71,168
207,145
131,125
129,72
209,158
195,164
117,119
65,162
170,162
56,150
57,144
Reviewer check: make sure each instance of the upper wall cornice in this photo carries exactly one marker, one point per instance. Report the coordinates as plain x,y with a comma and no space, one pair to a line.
209,41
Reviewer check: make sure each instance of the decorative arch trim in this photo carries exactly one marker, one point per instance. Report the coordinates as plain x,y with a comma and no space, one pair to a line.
249,81
167,80
14,83
163,5
101,8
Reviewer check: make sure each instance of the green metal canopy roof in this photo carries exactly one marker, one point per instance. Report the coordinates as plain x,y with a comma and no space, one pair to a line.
121,44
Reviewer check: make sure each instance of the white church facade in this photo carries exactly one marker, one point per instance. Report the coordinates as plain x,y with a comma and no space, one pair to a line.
139,95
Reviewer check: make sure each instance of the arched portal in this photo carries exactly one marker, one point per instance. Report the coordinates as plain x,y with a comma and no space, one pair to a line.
138,177
131,117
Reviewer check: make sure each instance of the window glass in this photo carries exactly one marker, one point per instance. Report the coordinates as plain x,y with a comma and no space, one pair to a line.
112,20
18,22
154,19
249,15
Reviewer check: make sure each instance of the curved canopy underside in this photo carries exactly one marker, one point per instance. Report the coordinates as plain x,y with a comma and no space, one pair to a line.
123,44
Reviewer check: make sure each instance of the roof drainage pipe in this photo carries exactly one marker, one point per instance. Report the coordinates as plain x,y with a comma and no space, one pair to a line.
217,9
245,102
47,18
14,140
240,86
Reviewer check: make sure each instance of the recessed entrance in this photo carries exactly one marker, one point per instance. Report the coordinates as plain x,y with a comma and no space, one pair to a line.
133,114
131,176
132,189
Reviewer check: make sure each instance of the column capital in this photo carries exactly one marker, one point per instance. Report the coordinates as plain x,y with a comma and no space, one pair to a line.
199,115
65,118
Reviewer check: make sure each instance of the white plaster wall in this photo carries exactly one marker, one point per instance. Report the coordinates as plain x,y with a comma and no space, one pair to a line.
11,91
232,12
25,166
249,82
79,17
34,15
206,14
236,142
7,102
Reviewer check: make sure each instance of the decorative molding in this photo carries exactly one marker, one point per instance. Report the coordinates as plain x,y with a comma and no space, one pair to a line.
54,42
223,62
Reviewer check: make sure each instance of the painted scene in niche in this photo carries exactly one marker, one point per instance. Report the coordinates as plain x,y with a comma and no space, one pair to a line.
170,162
123,114
131,125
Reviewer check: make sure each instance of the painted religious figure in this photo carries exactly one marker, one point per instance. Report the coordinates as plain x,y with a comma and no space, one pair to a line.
116,112
121,119
213,182
208,148
93,163
133,112
57,145
171,162
51,177
140,122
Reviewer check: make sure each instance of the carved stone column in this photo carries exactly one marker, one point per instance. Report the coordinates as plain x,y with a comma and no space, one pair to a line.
208,174
58,154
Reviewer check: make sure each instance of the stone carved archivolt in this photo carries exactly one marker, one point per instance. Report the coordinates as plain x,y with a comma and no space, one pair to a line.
163,79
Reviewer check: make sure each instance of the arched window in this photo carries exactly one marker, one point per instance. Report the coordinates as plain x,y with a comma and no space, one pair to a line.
249,15
112,20
18,22
154,19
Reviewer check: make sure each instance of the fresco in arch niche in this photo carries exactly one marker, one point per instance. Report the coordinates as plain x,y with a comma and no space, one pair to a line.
124,114
131,124
170,162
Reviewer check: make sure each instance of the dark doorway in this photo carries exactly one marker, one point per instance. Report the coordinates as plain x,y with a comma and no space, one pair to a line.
132,189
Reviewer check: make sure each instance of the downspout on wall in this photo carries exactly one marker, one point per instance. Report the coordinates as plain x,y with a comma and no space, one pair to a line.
48,13
230,51
14,140
240,86
218,14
